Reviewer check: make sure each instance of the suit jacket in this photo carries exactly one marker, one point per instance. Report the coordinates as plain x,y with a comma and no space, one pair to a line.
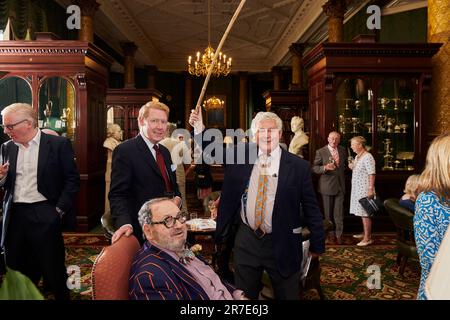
57,177
136,179
155,275
295,206
330,182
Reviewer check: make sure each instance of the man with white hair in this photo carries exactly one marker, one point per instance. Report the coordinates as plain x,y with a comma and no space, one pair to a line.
274,198
40,179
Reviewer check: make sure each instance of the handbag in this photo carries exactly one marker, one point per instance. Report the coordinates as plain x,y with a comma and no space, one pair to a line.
371,205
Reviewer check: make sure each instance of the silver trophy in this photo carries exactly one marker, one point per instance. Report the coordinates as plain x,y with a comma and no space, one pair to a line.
384,102
388,157
355,122
368,125
342,121
404,126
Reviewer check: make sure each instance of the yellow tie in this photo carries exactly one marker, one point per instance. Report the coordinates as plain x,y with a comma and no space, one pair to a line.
261,197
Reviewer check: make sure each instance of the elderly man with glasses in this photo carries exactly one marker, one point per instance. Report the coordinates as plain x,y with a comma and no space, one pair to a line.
40,180
165,268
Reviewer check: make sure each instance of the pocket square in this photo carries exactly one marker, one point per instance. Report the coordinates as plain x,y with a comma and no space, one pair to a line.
297,230
173,167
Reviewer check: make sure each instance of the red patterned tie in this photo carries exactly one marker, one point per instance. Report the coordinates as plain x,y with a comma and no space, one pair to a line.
335,155
162,168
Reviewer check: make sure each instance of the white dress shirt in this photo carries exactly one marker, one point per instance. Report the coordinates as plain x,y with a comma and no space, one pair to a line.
26,188
272,170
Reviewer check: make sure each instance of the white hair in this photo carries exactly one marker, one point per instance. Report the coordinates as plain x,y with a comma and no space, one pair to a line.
261,116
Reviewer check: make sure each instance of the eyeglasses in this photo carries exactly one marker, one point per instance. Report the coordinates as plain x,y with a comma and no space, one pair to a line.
170,221
11,126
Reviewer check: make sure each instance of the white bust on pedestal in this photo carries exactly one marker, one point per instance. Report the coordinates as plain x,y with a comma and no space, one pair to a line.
300,138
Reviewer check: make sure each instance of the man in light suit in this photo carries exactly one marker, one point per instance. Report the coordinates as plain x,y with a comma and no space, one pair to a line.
164,268
329,163
40,179
269,234
141,170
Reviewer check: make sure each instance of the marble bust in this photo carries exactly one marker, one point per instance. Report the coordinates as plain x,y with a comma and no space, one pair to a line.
300,138
114,137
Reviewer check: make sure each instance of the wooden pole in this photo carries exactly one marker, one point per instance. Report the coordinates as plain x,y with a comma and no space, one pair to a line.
219,47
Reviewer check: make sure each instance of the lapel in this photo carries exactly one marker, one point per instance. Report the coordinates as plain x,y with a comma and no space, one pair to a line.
147,154
180,272
44,151
11,156
283,173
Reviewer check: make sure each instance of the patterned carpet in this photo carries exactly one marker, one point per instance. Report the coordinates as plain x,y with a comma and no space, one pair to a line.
344,268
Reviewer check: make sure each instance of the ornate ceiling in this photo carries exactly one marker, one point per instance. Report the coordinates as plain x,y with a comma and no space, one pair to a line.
166,32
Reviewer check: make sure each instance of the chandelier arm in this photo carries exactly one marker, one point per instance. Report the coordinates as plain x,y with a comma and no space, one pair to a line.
216,53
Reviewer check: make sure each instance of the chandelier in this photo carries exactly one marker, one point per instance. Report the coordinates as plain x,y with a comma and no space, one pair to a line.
213,103
201,65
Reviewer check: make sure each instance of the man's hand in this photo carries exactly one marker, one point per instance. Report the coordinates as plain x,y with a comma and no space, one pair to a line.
4,170
196,120
177,201
330,167
123,230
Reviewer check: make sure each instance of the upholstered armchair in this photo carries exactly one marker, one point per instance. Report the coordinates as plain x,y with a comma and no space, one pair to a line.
111,270
403,221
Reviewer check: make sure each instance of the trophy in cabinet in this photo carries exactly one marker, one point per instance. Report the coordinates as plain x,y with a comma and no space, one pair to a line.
368,125
357,104
65,115
389,124
355,122
346,103
387,155
342,121
384,102
406,156
397,129
405,103
381,122
48,113
396,101
403,126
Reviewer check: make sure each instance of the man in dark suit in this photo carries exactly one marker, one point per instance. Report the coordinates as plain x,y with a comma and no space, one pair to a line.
164,268
269,192
329,163
141,170
40,179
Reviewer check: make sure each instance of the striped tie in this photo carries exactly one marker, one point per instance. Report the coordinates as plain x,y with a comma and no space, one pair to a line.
335,155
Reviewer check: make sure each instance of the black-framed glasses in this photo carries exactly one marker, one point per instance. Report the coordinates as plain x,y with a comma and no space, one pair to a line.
170,221
11,126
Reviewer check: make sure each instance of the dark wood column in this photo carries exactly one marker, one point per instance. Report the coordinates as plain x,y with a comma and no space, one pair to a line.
297,65
88,9
276,73
129,49
151,76
335,10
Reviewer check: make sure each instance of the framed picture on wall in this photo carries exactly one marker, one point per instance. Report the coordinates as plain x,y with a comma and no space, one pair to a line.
215,107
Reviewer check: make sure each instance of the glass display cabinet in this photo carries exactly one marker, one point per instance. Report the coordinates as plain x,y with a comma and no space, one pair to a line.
123,107
379,91
382,111
65,81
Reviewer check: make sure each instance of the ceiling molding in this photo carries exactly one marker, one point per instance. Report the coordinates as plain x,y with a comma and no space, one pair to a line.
403,6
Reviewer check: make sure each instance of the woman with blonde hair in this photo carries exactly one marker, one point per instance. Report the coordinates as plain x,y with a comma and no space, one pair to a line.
363,185
408,200
432,210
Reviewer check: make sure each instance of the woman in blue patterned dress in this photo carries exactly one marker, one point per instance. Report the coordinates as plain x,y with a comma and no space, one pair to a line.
432,211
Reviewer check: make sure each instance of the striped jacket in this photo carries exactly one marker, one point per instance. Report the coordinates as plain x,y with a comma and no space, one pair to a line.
155,275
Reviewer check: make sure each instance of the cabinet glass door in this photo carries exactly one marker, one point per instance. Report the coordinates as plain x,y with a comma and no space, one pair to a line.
395,124
57,106
354,110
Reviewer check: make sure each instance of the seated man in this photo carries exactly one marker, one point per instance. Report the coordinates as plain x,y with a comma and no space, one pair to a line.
164,268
